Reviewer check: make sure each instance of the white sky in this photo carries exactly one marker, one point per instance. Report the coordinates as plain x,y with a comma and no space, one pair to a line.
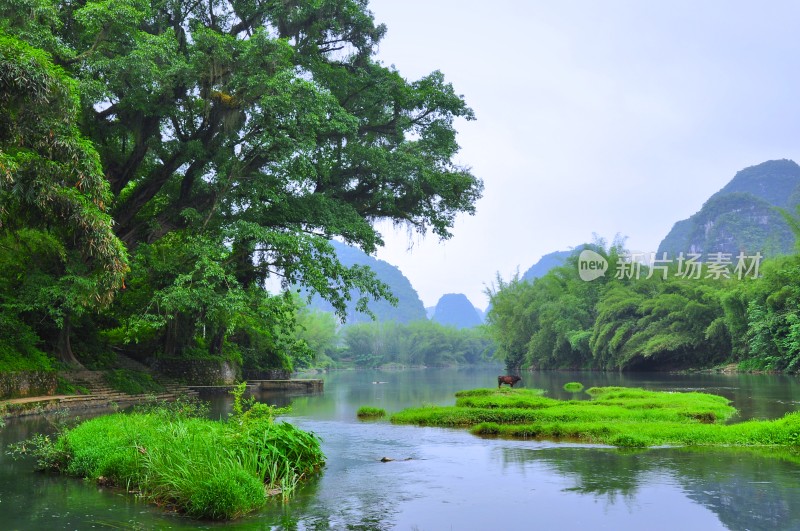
593,116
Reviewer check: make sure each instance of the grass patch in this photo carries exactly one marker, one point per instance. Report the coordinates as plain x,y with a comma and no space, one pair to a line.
132,382
366,412
618,416
65,387
505,402
32,361
216,470
573,387
499,392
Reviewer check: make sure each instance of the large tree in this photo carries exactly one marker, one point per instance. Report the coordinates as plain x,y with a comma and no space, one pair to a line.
264,127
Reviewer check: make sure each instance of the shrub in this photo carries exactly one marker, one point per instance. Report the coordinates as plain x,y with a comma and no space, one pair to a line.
573,387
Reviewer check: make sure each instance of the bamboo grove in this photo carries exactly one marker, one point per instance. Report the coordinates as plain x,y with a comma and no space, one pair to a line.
665,322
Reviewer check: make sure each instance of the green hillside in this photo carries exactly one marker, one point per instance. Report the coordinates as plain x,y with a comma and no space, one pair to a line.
769,181
742,216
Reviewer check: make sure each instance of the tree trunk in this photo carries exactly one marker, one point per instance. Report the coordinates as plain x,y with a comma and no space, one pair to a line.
65,353
171,337
216,343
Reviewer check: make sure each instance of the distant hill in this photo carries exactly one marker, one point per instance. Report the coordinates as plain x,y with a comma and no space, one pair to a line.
774,181
741,217
545,264
549,261
409,307
454,309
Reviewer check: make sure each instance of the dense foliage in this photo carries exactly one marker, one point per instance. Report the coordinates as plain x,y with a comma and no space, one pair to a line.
667,321
58,253
225,143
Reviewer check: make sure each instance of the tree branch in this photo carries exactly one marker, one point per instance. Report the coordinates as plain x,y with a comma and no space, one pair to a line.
100,38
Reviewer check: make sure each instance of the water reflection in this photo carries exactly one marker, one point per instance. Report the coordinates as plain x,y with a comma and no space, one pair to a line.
457,481
609,473
747,489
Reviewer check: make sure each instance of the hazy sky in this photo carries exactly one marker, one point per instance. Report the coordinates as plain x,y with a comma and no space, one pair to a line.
592,117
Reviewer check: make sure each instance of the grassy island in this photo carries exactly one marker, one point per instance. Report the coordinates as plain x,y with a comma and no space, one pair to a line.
367,413
618,416
172,456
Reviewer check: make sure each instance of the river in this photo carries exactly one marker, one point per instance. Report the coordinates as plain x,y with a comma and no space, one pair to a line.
457,481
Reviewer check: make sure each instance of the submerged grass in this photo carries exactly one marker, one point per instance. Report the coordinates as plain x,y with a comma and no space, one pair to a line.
624,417
206,469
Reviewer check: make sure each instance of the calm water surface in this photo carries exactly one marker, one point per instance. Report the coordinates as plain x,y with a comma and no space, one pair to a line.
461,482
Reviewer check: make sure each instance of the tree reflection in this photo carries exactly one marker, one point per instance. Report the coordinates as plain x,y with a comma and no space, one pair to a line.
609,473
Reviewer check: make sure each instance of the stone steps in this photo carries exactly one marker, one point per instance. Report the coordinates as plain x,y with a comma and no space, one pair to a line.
99,390
101,395
114,397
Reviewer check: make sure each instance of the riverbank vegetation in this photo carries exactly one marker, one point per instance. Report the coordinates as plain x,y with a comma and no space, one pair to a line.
166,163
417,344
171,455
669,321
618,416
391,344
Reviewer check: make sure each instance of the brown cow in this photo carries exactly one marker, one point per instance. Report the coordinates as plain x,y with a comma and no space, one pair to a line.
510,380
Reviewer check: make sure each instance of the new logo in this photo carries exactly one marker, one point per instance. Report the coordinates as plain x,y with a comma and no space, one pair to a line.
591,265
